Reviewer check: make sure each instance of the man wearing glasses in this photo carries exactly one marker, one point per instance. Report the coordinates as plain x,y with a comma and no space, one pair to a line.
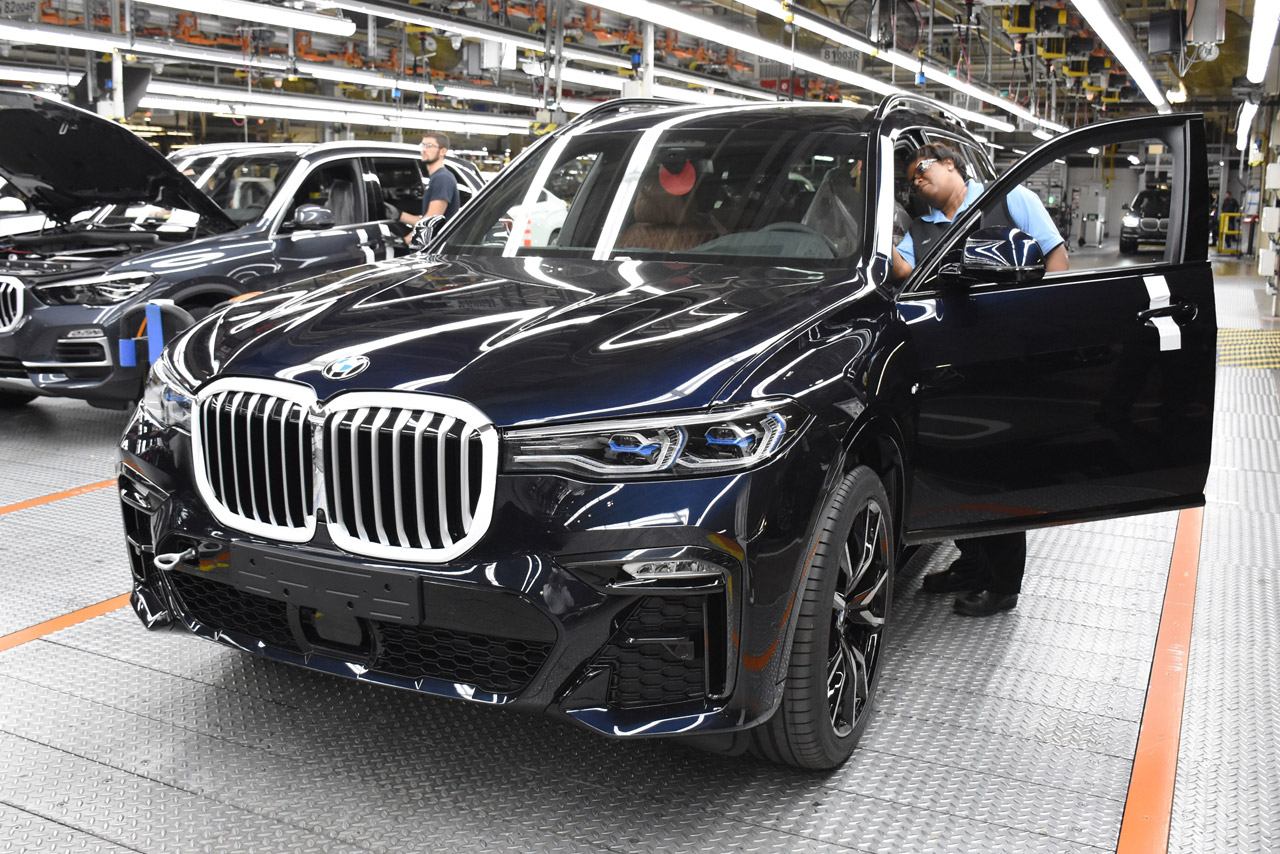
988,573
441,194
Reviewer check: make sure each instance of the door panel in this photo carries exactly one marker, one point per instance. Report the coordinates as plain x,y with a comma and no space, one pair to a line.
338,186
1084,395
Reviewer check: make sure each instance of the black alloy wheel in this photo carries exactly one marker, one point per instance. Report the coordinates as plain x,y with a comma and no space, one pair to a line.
838,647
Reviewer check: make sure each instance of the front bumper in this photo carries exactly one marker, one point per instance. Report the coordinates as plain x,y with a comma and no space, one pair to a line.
1138,235
532,616
69,351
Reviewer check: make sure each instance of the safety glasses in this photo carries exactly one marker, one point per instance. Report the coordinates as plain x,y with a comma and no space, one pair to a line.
923,167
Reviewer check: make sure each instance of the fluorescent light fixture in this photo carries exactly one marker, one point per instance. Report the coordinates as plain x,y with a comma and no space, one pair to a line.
705,28
23,33
262,13
376,80
1135,160
1104,24
414,120
574,75
712,83
1247,111
1094,150
416,15
819,25
1019,151
1266,19
615,83
210,99
40,76
1041,134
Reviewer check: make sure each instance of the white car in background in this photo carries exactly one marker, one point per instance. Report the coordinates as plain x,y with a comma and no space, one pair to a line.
537,224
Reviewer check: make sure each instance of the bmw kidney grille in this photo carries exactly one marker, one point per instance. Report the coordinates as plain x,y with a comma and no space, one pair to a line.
10,303
401,475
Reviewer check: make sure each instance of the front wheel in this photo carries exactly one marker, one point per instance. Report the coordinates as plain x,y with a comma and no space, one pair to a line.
839,638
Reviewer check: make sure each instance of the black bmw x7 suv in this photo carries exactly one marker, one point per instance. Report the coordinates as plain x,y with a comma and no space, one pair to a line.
131,228
653,471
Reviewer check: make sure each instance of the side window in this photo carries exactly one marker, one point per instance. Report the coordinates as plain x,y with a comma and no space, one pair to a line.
1109,206
1092,207
401,181
334,186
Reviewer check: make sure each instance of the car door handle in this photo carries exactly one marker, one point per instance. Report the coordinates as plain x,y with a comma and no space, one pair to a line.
1182,310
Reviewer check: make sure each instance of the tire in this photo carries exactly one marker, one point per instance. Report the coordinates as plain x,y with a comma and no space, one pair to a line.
1128,248
837,651
14,399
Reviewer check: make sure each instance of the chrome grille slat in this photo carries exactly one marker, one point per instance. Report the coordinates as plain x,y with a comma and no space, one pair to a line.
419,467
375,451
253,463
286,416
235,455
464,470
358,505
335,500
398,438
403,475
268,409
442,494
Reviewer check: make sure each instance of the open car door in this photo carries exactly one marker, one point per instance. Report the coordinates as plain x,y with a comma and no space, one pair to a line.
1070,396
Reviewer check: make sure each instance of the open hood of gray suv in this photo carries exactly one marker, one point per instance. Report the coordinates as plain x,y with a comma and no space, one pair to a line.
66,160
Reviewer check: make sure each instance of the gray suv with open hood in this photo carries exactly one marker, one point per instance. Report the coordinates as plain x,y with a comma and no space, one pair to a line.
180,235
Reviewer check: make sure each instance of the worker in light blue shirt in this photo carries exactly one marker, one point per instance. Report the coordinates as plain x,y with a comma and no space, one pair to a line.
937,175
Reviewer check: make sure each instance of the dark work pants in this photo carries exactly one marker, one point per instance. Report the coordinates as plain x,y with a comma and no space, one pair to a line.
1003,556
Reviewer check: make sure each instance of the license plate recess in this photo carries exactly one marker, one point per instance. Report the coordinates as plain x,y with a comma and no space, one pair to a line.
330,586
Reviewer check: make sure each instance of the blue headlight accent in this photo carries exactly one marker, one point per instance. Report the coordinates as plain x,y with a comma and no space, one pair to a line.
742,442
643,450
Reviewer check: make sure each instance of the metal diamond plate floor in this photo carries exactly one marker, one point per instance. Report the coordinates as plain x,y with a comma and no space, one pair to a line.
1015,733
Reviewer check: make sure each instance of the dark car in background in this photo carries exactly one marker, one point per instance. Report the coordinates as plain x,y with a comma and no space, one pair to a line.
652,470
129,227
1145,221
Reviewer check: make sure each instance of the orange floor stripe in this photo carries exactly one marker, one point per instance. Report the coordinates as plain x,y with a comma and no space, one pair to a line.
57,496
48,627
1149,807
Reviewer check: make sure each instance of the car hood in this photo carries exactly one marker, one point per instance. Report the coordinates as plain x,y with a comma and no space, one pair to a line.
524,339
66,160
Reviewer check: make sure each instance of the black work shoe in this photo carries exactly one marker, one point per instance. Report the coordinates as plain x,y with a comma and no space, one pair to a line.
984,603
965,573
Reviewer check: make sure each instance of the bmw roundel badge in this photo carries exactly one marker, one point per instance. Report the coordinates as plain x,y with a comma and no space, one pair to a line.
345,368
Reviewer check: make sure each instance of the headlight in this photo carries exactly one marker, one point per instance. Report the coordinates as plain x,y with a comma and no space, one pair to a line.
99,290
733,439
1129,221
165,399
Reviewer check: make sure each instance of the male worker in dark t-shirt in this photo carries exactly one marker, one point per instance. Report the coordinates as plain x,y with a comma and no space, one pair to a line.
441,196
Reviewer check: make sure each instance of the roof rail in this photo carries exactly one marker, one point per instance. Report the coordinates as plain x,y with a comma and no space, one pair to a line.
907,101
624,105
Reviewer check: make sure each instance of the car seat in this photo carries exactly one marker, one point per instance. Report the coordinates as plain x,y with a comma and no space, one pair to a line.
665,221
835,213
342,202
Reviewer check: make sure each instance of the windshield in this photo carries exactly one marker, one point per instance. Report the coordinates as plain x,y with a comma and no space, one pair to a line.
746,195
242,185
1151,203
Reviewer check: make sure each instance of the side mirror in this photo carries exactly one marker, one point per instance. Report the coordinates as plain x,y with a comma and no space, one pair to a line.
10,204
998,254
425,229
312,218
1125,206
